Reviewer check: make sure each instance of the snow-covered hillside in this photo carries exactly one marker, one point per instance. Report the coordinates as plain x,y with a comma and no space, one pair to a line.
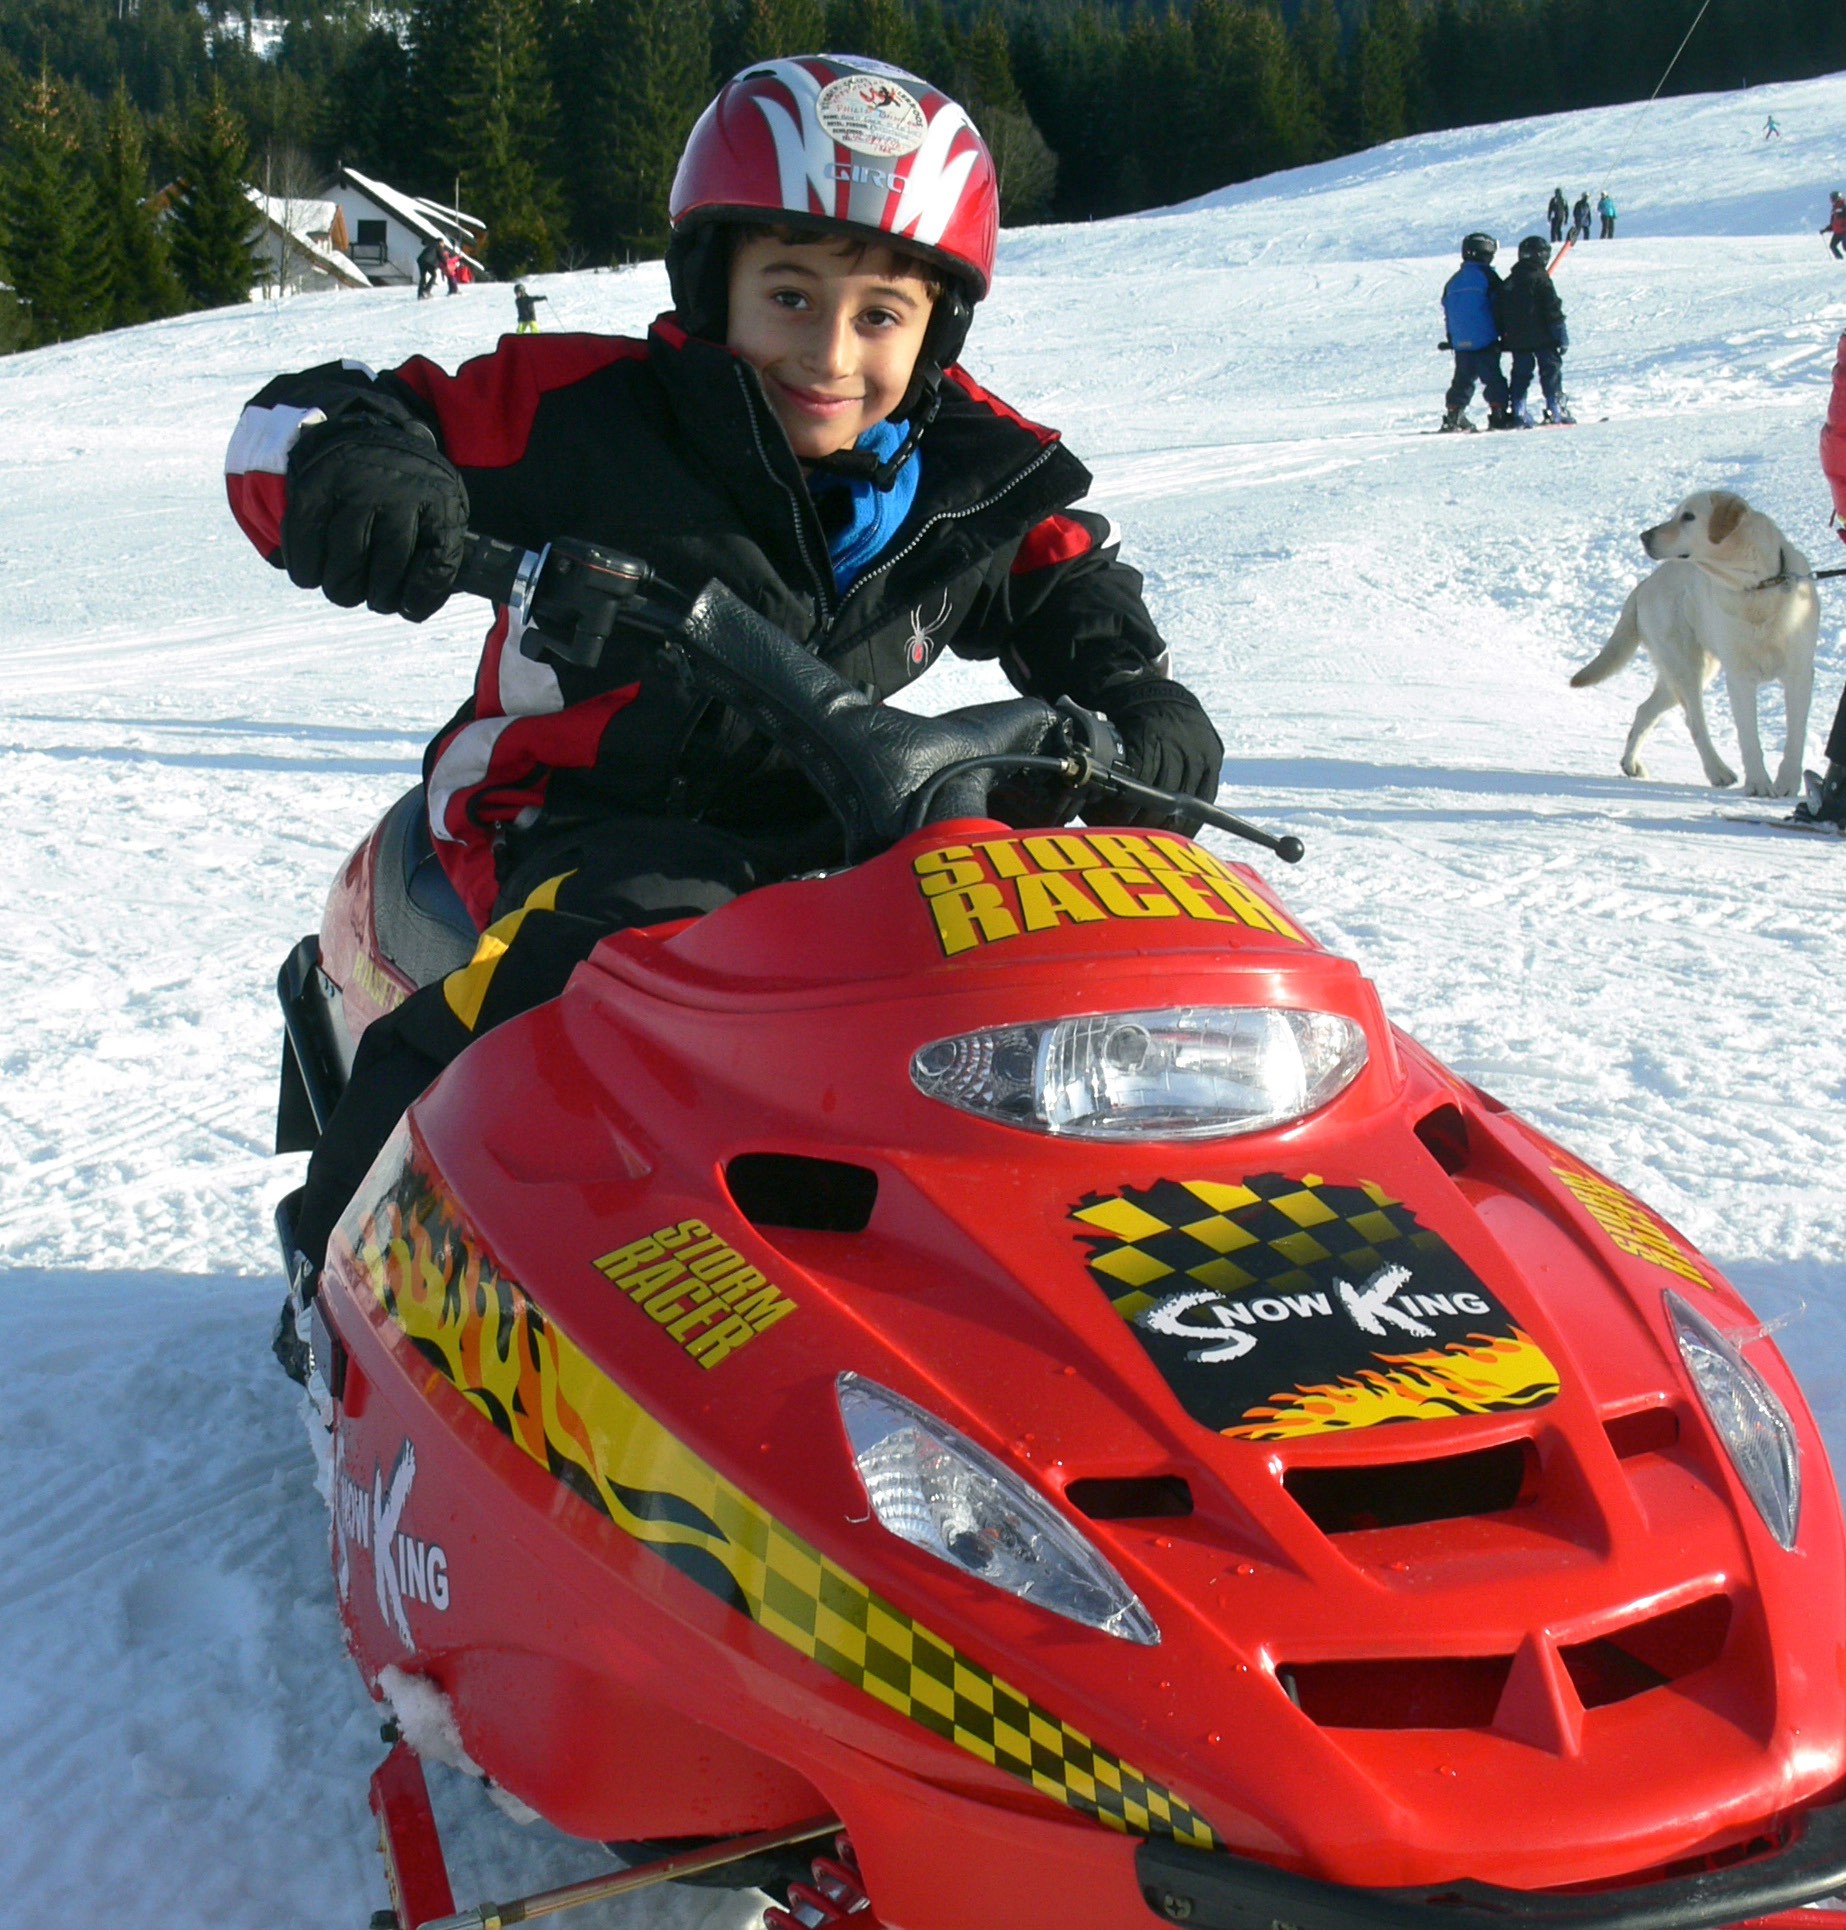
1382,620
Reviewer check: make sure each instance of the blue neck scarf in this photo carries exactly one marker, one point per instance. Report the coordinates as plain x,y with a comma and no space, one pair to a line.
874,515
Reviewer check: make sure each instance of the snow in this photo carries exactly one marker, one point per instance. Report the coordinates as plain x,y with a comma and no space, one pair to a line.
1382,620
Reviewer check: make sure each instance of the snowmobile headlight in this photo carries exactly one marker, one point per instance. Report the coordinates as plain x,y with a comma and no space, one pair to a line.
1751,1422
935,1489
1193,1072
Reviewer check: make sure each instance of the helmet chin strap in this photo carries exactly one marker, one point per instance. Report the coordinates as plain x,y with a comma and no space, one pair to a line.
862,465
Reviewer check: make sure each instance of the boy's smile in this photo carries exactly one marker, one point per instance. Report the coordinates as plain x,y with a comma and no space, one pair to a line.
832,329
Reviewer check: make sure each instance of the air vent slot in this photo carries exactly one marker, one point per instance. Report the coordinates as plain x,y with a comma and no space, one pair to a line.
1400,1494
1648,1430
1154,1497
814,1195
1420,1692
1444,1134
1646,1655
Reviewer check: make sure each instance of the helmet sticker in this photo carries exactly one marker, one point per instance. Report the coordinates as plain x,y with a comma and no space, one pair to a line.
871,115
1276,1307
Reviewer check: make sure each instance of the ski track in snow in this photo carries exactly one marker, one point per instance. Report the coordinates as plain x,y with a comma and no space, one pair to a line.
1382,620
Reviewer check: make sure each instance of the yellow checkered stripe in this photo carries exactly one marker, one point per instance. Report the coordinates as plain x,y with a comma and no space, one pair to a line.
1263,1232
482,1333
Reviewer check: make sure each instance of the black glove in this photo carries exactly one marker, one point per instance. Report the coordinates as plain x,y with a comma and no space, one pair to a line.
1167,740
376,514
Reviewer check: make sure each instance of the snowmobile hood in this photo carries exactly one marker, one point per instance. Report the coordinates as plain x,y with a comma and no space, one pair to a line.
1378,1414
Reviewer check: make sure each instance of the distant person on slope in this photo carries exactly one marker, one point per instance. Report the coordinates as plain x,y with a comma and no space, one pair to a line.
1532,330
1557,212
525,308
1770,131
1580,218
429,266
1836,225
1468,300
1825,802
1605,206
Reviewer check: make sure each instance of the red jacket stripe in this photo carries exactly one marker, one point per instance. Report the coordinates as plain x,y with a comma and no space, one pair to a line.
1058,539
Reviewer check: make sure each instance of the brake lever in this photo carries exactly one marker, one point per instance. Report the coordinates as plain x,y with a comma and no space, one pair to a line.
567,597
1094,763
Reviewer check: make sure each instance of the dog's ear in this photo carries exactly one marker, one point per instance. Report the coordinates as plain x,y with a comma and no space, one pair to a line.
1727,511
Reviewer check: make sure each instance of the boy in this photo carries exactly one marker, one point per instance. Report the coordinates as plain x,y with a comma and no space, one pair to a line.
797,428
525,309
1532,328
1468,302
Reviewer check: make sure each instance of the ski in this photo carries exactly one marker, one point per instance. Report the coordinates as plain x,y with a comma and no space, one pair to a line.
1788,822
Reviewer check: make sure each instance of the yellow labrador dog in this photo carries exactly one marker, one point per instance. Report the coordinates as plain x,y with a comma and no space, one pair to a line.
1730,591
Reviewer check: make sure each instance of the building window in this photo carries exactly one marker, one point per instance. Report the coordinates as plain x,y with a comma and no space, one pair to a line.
370,245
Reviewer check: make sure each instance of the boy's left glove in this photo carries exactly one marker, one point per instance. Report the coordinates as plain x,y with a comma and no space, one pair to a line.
1167,739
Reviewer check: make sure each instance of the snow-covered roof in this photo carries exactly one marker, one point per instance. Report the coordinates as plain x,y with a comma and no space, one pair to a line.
300,221
428,218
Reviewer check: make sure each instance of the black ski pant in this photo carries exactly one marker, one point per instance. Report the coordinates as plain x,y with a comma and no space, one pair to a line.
567,892
1836,737
1557,227
1550,365
1838,243
1474,365
1608,228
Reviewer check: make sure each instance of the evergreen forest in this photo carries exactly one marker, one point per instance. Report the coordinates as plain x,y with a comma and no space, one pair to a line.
129,127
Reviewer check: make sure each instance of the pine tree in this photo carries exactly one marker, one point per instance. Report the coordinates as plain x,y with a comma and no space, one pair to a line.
1320,56
51,243
649,80
499,133
773,28
214,221
142,284
882,29
1387,72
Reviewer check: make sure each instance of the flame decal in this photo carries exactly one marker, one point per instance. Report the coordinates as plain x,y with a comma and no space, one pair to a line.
1484,1374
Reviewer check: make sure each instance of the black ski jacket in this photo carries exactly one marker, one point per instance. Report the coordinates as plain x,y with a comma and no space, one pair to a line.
668,449
1529,309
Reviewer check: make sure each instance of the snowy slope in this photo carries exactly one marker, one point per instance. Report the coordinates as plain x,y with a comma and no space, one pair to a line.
1383,621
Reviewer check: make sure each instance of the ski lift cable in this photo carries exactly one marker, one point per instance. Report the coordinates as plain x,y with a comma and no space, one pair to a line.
1660,83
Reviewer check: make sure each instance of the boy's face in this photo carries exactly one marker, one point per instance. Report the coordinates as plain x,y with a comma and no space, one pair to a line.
833,332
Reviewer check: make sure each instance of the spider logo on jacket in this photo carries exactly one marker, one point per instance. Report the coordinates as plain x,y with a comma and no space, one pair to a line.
923,635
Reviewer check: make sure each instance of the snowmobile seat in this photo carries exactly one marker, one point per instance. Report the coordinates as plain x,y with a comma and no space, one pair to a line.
421,924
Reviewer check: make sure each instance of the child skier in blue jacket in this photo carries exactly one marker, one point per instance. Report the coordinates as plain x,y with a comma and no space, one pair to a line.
1468,304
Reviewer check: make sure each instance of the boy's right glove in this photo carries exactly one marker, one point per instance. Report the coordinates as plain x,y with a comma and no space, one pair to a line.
1167,739
376,514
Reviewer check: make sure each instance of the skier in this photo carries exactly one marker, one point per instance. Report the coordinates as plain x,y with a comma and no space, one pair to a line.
525,308
1557,212
451,269
1580,218
1605,206
429,266
1531,316
797,409
1468,299
1836,224
1825,802
1770,131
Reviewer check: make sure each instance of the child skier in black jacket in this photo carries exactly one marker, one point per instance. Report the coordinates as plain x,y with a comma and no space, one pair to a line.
1531,317
796,428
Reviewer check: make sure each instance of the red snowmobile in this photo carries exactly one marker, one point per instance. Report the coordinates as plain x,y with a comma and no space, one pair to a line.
1002,1356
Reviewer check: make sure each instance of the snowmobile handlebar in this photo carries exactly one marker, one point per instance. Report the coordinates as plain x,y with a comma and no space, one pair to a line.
884,772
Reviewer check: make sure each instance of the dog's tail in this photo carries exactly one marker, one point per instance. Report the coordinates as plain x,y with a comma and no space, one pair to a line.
1622,645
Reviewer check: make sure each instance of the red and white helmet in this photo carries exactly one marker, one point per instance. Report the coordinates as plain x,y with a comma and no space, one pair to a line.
844,145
